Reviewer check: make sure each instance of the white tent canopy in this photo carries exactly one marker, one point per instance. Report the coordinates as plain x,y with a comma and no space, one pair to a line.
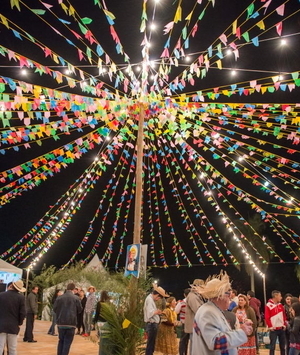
9,273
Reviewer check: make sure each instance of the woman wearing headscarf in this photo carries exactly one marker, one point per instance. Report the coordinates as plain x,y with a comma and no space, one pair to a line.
166,341
243,313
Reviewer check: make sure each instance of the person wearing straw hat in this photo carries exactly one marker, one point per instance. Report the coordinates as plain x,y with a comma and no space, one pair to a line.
193,302
212,334
12,315
152,316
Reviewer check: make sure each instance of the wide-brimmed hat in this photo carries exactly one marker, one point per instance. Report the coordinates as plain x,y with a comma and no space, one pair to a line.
91,287
215,286
160,290
19,286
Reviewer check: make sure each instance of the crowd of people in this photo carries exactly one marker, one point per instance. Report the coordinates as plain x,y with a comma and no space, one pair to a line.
71,310
213,319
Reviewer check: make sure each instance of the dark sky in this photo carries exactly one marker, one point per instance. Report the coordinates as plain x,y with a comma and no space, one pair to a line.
181,222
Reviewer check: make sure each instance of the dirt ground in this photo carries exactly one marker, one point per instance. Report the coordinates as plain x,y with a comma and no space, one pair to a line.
47,344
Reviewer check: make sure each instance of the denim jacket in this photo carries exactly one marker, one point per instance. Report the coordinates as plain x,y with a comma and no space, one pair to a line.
66,308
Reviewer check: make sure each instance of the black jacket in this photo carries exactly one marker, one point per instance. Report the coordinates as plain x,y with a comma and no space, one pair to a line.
295,330
32,303
12,311
66,308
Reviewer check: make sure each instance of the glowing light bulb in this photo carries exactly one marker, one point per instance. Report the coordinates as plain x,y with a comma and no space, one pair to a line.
187,58
280,77
233,72
67,71
283,42
107,138
153,26
138,68
23,71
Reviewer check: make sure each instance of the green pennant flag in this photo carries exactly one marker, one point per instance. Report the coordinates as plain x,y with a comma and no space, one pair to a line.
38,11
86,20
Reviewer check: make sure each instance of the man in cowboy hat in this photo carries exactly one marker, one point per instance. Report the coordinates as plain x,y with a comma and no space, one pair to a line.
212,333
151,316
193,302
12,314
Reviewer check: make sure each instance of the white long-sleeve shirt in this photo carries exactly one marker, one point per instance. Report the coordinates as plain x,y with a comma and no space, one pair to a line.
149,310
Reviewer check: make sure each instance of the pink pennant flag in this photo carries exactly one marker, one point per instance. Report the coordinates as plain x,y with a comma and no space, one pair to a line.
266,5
223,39
279,28
47,6
280,10
168,27
11,55
47,52
165,53
76,34
80,55
194,30
23,62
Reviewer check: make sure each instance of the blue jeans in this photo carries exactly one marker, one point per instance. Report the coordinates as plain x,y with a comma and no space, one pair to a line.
280,334
294,351
65,340
151,330
52,327
87,321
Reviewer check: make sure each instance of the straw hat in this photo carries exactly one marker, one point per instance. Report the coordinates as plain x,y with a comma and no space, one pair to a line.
197,282
160,290
19,286
215,286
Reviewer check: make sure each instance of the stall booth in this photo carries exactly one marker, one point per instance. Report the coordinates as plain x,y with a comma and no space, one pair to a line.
8,273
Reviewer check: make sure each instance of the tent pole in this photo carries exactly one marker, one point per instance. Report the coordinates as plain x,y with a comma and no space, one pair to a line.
27,280
139,178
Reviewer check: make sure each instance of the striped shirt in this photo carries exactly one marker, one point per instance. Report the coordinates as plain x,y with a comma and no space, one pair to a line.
180,309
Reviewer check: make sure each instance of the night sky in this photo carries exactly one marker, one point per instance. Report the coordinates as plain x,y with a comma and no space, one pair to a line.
182,222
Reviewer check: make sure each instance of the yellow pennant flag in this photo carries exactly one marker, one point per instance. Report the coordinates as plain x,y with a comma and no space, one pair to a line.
234,27
219,64
261,25
178,14
126,323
